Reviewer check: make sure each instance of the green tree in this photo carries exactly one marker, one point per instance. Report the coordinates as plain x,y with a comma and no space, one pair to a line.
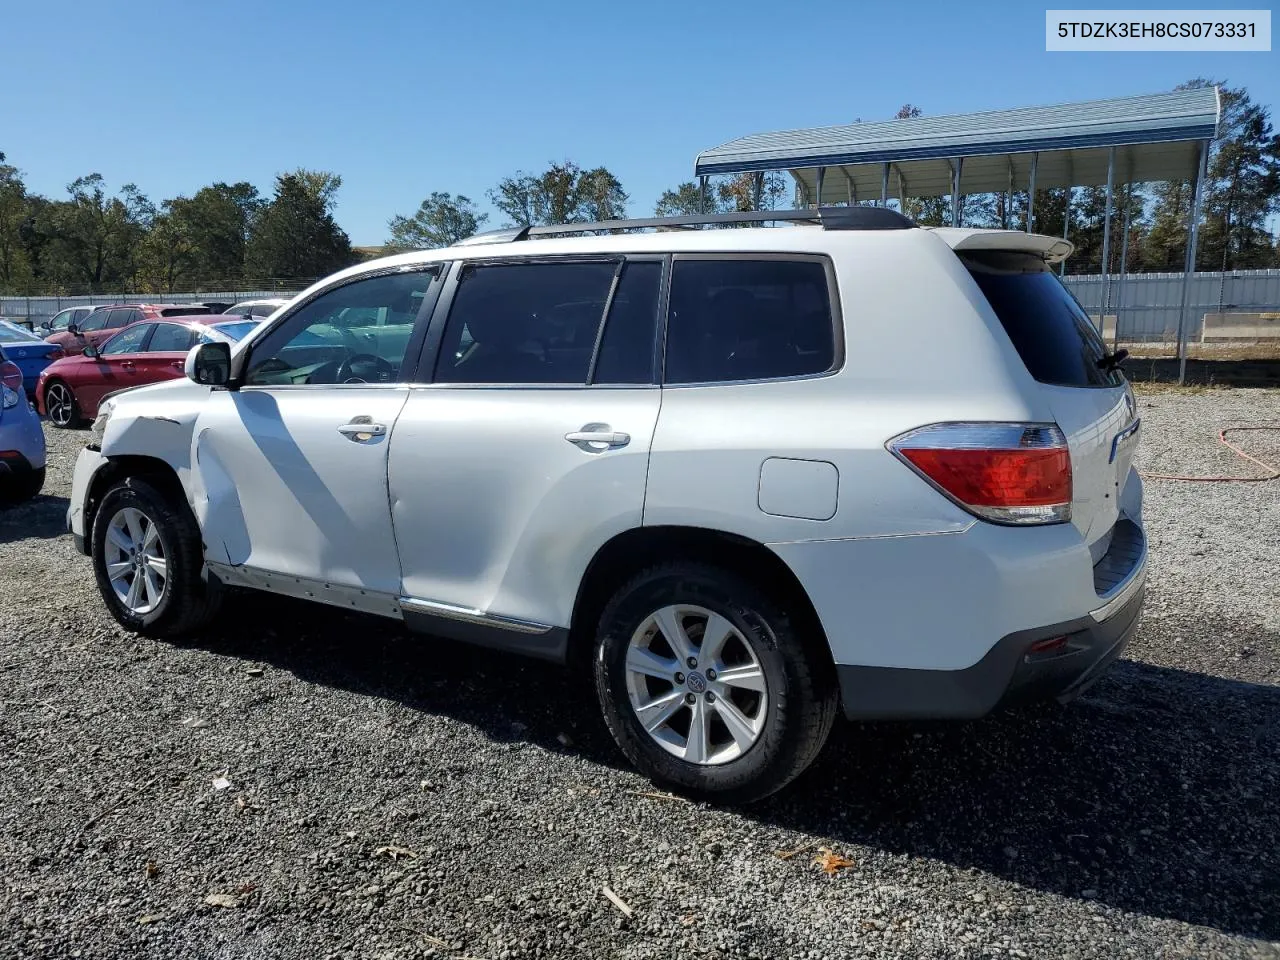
91,240
215,222
441,221
15,268
1241,192
686,200
295,235
563,193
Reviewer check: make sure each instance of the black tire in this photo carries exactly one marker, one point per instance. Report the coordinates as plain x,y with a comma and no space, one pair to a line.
76,418
802,695
188,602
21,487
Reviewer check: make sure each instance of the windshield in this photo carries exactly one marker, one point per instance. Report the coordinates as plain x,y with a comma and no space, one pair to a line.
10,332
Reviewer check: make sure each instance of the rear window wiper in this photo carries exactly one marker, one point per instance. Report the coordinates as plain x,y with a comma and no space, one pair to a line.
1112,361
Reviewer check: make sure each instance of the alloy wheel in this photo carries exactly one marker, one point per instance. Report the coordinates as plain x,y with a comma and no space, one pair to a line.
135,561
60,404
696,685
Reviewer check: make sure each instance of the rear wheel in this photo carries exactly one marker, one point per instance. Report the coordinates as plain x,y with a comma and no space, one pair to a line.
147,562
60,404
18,488
707,686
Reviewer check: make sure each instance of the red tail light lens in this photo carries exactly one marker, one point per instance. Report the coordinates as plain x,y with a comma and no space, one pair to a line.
1016,473
10,375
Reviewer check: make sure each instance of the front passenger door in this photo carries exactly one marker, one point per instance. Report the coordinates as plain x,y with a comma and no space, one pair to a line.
293,464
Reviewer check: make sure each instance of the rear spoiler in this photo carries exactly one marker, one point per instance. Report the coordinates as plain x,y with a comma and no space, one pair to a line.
1049,249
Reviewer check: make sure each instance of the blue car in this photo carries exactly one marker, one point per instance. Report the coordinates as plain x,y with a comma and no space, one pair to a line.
21,438
28,351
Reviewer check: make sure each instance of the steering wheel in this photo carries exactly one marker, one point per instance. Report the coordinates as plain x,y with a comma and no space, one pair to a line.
365,368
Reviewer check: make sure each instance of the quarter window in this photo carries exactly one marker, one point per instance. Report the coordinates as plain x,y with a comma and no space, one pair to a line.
748,320
128,341
525,322
356,333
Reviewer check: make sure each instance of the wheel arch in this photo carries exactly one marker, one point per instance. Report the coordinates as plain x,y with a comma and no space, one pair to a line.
117,468
627,553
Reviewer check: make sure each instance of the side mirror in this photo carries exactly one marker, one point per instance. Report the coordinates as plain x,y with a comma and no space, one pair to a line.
209,364
92,352
73,328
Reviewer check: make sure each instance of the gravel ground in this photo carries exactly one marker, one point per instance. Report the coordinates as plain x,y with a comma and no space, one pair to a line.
396,797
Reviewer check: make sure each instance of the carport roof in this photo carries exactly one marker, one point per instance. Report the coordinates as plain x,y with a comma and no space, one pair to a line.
1157,138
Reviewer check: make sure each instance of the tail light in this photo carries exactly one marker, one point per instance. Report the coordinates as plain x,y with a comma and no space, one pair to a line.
57,354
11,376
1013,473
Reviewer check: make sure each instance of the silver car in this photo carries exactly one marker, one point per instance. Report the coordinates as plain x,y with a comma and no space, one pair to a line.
745,479
22,452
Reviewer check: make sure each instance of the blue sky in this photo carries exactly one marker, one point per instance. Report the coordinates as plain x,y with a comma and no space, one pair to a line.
409,97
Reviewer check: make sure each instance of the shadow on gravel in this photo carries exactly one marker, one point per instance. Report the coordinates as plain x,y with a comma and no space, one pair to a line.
42,518
1155,793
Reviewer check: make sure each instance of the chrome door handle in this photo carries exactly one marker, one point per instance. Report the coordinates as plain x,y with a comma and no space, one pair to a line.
598,436
361,429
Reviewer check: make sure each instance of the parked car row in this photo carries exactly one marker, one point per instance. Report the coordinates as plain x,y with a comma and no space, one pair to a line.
68,391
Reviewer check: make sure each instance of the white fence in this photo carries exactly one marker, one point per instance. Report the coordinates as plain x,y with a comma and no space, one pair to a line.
1146,306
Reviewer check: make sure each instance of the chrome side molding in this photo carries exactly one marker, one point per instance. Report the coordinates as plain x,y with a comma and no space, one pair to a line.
470,615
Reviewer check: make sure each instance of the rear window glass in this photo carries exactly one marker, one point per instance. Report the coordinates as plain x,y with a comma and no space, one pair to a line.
748,320
1053,335
188,311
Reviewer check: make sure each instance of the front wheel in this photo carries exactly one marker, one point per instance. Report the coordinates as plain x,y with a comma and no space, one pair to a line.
707,686
147,562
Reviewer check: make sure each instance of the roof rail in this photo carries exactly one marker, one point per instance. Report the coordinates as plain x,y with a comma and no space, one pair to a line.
829,218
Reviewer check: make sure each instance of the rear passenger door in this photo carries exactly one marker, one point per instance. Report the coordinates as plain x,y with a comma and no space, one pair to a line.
751,421
527,447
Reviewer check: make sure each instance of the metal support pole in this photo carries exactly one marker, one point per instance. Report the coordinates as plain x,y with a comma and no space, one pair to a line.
1007,208
757,190
821,175
702,195
1124,260
1031,193
884,185
1066,225
1193,234
852,194
1106,238
956,166
902,193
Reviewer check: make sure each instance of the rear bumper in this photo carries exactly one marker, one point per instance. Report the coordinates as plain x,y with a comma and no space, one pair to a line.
1014,670
21,440
951,626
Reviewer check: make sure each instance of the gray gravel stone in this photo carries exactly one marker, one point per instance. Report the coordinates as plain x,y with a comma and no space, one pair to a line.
1139,821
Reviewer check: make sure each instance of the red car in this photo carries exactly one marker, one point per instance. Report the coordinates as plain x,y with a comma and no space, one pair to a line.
69,390
106,322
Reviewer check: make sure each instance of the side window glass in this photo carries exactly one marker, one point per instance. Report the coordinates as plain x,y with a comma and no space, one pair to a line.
524,323
170,338
122,318
61,320
128,341
95,321
748,320
357,333
626,348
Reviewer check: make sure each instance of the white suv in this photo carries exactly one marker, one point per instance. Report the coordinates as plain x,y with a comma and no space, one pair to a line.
745,476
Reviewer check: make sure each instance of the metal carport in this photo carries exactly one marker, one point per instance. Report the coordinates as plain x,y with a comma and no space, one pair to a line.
1162,136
